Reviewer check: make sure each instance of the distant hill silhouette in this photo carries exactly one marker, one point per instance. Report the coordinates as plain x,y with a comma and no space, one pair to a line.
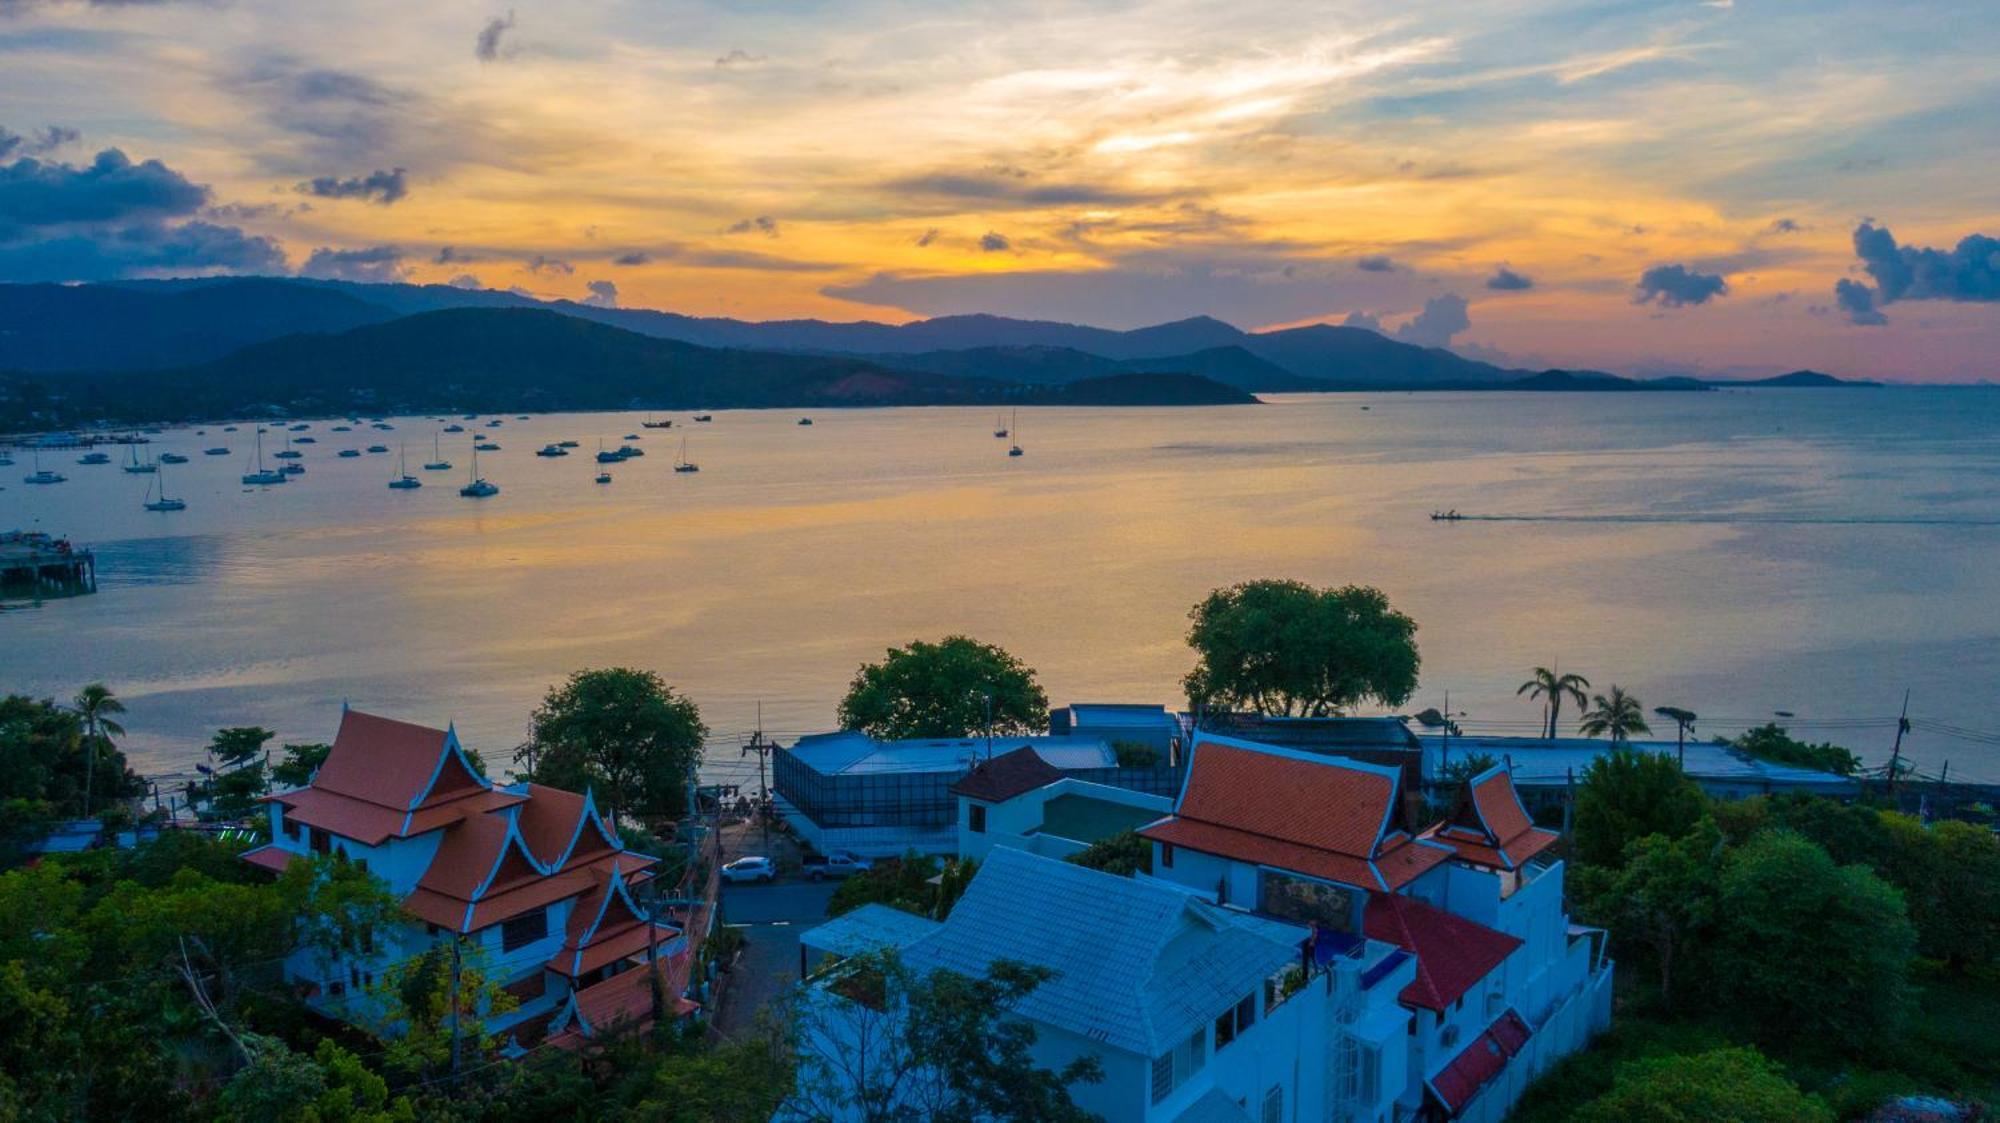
1798,379
492,359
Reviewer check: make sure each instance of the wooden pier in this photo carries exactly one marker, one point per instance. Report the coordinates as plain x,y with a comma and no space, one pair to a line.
41,566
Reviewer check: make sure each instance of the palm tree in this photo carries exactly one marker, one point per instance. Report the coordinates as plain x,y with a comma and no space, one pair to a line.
94,704
1554,687
1618,715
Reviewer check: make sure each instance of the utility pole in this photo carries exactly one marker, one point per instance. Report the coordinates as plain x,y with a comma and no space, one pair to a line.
763,749
988,696
1902,727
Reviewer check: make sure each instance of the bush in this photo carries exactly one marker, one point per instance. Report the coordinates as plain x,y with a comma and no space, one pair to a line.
1135,754
1124,854
1741,1085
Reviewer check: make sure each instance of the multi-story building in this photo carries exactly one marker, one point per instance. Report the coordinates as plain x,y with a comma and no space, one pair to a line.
1194,1011
1504,985
532,884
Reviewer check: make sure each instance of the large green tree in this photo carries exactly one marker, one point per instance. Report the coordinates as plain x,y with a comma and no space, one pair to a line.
951,688
623,733
1660,905
1740,1085
900,1044
1771,742
1626,795
1949,873
1286,647
1810,951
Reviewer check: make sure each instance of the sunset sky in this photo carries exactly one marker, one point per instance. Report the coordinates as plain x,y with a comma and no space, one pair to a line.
1643,187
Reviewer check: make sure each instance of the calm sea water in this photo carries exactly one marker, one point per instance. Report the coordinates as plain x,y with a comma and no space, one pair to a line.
1737,553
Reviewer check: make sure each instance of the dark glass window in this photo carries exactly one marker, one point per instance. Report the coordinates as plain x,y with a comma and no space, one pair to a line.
978,818
523,930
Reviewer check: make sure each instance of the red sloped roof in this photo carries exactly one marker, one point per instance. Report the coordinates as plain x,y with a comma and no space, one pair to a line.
271,858
1490,827
381,760
1479,1062
549,820
1006,776
628,995
1324,804
1453,953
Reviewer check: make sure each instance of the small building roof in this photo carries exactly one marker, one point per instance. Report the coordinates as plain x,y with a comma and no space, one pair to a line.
1464,1075
1138,964
851,752
1535,762
872,927
1214,1106
1453,953
1321,816
1490,827
1006,776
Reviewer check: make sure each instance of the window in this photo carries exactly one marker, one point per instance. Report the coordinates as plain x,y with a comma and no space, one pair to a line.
1234,1021
1274,1105
977,816
1167,855
523,930
1369,1062
322,843
1173,1068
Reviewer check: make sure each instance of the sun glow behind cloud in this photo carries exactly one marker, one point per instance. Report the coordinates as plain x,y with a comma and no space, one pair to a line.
1124,163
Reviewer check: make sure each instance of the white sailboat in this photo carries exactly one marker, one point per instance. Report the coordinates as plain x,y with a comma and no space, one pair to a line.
438,463
162,503
262,476
682,463
478,488
403,480
43,475
1015,448
1000,427
137,466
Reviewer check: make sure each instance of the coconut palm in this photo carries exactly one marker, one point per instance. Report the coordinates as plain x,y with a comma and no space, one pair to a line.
94,704
1616,715
1553,687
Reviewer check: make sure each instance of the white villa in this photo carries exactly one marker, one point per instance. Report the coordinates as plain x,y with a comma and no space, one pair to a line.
531,882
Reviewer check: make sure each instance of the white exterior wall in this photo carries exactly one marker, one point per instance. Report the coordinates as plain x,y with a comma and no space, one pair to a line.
1018,822
1235,881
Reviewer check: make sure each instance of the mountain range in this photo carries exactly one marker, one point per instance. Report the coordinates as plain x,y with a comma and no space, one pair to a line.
135,348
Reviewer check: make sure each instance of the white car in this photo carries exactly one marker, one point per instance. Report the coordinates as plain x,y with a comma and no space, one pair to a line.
752,869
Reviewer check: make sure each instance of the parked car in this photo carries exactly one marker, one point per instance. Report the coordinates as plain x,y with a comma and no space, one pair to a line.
840,863
753,869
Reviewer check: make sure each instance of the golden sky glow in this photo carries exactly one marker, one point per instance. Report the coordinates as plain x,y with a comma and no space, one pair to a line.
1115,163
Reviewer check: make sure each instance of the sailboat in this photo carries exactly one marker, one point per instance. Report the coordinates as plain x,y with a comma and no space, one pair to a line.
404,481
1000,427
1015,448
478,488
162,503
137,466
438,463
43,475
682,463
262,475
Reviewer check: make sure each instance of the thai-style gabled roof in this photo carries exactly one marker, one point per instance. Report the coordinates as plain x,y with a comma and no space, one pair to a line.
623,999
607,925
1324,817
562,827
1453,953
1489,826
384,778
1006,776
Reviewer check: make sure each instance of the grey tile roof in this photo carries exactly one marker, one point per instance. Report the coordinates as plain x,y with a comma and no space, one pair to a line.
1214,1107
1139,964
871,927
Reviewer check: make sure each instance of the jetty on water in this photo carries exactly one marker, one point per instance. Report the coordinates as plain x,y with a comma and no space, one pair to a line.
38,565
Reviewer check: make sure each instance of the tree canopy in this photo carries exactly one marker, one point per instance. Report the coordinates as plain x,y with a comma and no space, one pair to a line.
1771,742
944,689
1626,795
1616,715
1740,1085
1286,647
1552,688
622,733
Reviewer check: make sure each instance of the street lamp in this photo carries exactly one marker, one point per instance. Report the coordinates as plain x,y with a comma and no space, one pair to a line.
1683,723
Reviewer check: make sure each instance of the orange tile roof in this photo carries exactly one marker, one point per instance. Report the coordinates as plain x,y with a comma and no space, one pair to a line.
271,858
627,997
381,760
1490,827
1322,818
1453,953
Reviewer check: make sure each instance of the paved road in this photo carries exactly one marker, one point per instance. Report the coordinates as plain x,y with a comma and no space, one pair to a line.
770,918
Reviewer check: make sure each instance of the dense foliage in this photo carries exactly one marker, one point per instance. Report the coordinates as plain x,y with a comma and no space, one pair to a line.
55,762
621,733
951,688
1286,647
1740,1085
1771,742
1626,795
905,883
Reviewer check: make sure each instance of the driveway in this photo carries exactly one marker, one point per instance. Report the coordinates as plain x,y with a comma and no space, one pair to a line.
770,918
